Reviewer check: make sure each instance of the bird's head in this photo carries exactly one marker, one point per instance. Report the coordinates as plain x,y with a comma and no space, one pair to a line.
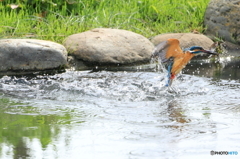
199,50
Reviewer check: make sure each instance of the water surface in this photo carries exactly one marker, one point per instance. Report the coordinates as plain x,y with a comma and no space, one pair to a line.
121,114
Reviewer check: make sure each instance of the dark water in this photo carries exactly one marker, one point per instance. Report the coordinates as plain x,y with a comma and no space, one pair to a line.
108,115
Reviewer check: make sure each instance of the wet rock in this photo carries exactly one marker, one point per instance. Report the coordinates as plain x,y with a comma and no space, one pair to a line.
186,39
29,55
222,19
104,46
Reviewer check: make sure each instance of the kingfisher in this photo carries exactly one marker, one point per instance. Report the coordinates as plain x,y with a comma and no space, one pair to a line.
170,53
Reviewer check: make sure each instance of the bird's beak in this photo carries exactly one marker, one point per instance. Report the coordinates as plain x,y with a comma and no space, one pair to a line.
210,52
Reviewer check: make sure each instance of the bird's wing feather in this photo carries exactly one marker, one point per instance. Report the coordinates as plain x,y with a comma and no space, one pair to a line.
167,50
160,51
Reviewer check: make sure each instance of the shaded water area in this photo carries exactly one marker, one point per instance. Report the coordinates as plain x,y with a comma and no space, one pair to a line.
78,114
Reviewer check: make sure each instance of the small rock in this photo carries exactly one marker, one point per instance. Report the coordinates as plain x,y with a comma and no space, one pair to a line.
31,55
186,39
109,47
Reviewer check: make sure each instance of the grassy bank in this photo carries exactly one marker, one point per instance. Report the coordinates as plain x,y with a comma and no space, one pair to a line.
54,20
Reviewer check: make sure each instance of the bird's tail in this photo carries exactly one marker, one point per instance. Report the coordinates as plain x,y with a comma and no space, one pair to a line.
170,79
169,82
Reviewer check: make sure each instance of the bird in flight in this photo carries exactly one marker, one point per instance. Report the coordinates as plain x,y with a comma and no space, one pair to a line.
170,53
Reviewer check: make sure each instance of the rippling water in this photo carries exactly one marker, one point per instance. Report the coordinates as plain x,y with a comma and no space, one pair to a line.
79,114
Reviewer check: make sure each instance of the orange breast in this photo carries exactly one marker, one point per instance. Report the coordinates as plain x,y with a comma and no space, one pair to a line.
180,62
180,59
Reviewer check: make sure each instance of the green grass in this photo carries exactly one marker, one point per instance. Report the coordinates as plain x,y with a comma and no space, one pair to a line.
63,18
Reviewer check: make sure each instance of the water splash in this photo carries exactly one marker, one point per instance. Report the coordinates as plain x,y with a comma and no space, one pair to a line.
121,86
132,109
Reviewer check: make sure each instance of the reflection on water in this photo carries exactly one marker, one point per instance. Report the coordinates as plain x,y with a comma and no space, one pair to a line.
119,115
176,112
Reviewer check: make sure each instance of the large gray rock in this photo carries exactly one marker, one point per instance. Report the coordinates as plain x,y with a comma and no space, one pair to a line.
109,47
31,55
222,19
186,39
